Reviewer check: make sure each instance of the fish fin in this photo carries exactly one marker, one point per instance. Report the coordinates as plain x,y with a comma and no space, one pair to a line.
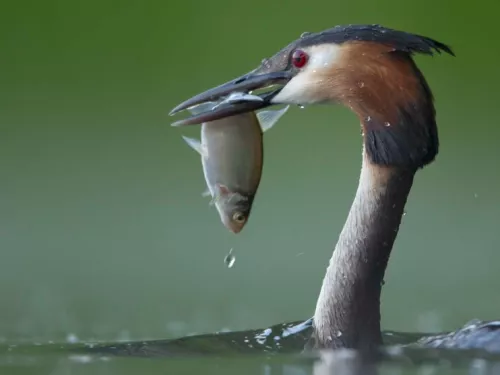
216,196
196,145
223,190
220,191
203,107
268,119
212,201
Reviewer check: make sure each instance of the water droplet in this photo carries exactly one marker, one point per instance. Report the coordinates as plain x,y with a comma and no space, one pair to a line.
387,123
301,106
229,259
361,84
404,213
339,333
368,118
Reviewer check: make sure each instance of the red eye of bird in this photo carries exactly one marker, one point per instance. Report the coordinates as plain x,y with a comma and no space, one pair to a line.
299,58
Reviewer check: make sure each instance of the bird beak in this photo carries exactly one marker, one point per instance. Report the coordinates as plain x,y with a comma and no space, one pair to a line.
246,103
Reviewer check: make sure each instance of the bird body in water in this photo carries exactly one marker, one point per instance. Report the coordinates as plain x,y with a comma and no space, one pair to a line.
369,69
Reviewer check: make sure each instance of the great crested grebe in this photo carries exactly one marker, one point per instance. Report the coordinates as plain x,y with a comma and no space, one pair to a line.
369,69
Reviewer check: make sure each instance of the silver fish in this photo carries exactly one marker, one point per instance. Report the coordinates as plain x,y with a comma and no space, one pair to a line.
231,152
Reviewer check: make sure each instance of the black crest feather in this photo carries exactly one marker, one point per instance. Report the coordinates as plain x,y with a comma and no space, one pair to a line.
399,40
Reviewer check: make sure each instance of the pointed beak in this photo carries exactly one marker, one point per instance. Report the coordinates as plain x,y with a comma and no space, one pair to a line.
248,82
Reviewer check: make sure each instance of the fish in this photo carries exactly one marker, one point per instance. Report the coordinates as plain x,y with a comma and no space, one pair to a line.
232,155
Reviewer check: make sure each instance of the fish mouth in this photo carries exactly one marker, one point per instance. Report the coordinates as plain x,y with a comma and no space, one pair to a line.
246,83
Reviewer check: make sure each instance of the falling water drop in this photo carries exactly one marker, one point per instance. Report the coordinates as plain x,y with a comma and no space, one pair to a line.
387,123
229,259
368,118
301,106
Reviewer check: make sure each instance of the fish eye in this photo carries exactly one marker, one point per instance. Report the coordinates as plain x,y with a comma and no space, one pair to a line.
299,58
239,217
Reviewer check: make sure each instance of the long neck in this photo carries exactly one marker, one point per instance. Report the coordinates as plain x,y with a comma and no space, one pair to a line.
348,308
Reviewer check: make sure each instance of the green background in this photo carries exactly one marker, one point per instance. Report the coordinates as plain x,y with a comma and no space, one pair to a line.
103,230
